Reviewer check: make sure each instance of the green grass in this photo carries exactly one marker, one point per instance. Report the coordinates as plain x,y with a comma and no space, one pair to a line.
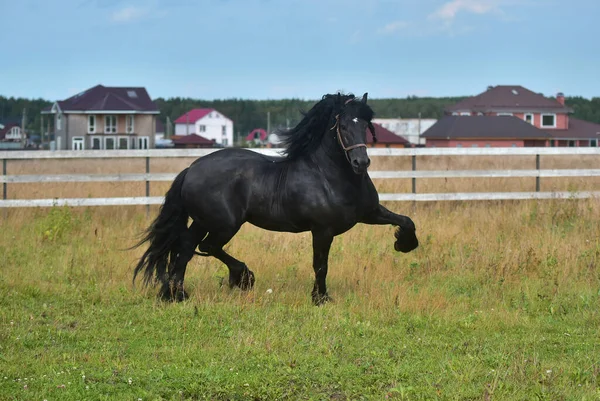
500,302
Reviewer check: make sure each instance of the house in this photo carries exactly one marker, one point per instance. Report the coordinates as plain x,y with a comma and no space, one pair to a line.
553,126
484,131
257,137
11,132
192,141
386,139
208,123
410,129
103,117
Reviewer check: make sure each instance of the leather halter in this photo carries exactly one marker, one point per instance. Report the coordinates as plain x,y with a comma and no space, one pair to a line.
336,126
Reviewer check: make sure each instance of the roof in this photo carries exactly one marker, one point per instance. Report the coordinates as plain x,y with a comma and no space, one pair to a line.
488,127
192,116
386,136
7,128
508,97
104,98
578,129
191,139
262,134
160,127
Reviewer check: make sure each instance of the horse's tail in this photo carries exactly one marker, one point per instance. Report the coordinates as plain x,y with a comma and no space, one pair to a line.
163,234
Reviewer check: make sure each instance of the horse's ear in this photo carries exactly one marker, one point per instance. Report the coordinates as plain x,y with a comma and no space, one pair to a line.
364,98
372,129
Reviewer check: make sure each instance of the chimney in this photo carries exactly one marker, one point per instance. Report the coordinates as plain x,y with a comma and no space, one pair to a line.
560,97
490,87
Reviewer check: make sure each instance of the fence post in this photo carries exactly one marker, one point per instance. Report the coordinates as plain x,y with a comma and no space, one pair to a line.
147,186
4,184
537,178
414,179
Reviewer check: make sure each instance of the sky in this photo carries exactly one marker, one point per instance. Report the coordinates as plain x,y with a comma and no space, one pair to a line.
273,49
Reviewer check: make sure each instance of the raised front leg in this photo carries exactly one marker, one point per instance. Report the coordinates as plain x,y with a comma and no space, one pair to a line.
406,236
321,244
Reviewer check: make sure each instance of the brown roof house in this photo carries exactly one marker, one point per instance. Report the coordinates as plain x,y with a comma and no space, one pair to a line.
104,118
549,118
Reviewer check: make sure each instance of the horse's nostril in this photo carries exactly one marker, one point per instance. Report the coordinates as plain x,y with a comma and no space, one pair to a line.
355,163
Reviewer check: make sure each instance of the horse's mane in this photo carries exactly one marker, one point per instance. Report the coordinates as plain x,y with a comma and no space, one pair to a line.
305,137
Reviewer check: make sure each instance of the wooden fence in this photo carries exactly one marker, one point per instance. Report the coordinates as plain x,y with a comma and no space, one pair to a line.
413,174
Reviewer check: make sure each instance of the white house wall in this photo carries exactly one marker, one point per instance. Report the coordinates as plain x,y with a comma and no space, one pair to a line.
213,128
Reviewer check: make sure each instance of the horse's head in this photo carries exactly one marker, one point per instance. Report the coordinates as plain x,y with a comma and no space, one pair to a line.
351,129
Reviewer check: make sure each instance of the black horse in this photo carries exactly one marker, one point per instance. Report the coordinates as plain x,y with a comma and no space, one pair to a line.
321,186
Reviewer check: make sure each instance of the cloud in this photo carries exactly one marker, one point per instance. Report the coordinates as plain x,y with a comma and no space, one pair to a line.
393,27
129,14
449,10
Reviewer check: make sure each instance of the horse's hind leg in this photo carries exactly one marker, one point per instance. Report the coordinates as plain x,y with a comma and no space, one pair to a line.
172,288
239,274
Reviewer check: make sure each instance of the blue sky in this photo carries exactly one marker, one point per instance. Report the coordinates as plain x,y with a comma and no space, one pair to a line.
271,49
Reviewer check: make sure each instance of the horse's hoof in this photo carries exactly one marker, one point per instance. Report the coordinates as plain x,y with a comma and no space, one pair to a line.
247,281
172,295
320,299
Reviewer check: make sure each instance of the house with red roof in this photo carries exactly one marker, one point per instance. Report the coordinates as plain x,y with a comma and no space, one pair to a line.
386,138
207,123
533,120
104,118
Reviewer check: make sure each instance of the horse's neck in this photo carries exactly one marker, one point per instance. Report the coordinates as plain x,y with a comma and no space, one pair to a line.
332,161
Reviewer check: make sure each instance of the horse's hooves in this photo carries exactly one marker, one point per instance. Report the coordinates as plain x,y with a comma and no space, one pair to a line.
320,299
170,295
245,281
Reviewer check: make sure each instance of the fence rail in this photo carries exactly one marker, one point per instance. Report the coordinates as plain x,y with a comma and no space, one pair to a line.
413,174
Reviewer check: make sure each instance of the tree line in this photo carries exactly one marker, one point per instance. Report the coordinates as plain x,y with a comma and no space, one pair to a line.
250,114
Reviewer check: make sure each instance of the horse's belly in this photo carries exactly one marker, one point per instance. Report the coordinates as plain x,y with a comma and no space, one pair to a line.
281,225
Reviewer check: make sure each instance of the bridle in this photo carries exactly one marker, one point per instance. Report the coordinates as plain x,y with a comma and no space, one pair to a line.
336,126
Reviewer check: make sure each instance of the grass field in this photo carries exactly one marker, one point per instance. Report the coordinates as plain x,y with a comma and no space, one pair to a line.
500,302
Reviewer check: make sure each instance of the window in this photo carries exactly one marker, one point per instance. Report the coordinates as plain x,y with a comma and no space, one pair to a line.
110,124
224,141
132,94
571,144
109,143
224,130
129,124
474,145
91,124
514,145
548,120
487,145
14,133
458,145
528,118
455,114
465,113
96,143
202,128
143,142
123,142
594,143
78,143
59,121
552,143
504,114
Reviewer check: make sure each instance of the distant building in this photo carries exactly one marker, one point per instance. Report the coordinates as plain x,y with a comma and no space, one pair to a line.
511,115
103,117
386,139
207,123
410,129
11,136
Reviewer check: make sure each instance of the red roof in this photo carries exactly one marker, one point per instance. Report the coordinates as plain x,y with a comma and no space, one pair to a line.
386,136
193,115
191,139
262,134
